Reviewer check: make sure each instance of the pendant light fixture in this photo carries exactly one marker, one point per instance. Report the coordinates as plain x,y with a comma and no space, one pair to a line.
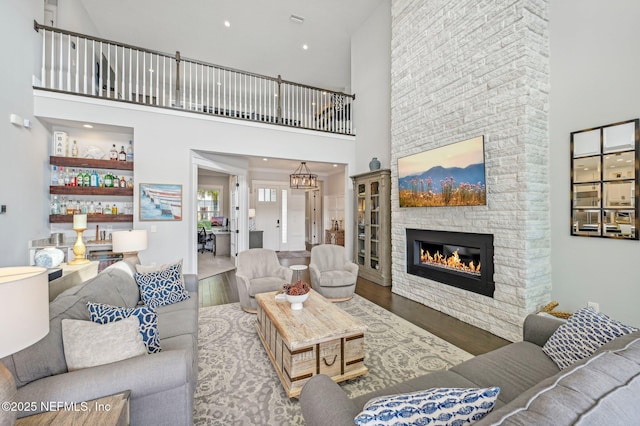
302,178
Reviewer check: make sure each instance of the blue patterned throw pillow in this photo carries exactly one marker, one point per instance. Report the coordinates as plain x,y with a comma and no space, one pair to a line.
584,332
148,319
164,287
437,406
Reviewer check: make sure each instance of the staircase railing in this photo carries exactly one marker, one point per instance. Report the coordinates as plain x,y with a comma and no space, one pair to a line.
90,66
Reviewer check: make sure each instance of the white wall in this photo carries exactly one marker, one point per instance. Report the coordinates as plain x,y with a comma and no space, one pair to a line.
23,152
371,83
164,142
594,81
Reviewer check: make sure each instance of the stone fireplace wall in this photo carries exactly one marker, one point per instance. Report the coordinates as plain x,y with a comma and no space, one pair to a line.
461,69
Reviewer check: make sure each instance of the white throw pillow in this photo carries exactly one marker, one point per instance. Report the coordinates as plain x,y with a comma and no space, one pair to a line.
584,332
436,406
87,344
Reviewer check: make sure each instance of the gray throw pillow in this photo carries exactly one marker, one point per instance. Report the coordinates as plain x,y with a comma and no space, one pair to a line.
88,344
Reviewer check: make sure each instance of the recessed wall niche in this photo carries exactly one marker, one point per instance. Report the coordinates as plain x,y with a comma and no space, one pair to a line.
604,181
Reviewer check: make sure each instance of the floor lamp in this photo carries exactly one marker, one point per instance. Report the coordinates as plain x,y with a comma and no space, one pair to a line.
129,243
24,303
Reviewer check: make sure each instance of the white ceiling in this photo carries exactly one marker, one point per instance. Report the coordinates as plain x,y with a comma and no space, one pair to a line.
261,39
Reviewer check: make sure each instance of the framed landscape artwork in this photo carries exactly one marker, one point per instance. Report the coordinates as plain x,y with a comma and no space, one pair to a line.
451,175
160,201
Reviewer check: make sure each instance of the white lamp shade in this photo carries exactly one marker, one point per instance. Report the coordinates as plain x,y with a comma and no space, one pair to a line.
24,307
129,241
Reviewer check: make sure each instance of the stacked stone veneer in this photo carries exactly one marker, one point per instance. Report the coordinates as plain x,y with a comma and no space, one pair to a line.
461,69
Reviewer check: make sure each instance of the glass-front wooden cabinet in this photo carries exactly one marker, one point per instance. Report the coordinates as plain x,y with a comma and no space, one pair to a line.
604,181
372,239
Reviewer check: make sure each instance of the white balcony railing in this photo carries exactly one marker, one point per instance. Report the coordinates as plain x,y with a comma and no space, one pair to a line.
88,66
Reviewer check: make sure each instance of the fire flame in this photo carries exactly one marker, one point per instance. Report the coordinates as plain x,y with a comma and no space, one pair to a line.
452,261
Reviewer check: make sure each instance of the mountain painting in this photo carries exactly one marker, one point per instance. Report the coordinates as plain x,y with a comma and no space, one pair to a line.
452,175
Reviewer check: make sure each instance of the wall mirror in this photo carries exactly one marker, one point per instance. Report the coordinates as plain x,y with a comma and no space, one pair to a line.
604,181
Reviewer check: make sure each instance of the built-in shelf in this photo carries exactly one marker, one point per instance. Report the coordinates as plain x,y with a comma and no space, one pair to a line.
89,190
90,163
92,218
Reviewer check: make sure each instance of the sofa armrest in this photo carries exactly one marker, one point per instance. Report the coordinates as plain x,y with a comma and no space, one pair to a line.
351,268
314,273
324,403
191,283
537,328
143,375
286,273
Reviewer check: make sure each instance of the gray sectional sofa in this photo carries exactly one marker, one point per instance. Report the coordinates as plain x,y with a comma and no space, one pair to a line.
162,384
601,389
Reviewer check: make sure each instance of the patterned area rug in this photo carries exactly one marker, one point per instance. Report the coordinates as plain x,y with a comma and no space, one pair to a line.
237,384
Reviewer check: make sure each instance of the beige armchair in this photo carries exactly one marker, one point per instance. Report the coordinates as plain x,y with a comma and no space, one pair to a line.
259,271
332,275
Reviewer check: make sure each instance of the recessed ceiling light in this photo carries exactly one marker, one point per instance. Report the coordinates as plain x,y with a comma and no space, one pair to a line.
335,165
305,46
227,24
88,126
265,159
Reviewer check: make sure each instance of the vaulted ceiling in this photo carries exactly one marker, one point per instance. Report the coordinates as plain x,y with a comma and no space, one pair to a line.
261,36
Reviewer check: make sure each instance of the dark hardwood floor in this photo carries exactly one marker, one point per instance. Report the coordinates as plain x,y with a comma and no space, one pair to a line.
221,289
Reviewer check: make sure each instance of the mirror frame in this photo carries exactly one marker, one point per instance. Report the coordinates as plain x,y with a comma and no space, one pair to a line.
606,219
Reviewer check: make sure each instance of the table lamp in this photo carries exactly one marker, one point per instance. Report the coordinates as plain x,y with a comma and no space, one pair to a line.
24,315
129,243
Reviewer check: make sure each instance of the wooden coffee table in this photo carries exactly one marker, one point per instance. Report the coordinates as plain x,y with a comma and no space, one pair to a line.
318,339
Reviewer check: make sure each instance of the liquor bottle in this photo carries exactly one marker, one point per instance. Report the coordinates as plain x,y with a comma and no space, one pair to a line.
130,183
114,209
83,207
122,155
86,179
94,179
123,182
67,178
99,208
73,178
54,176
55,205
107,209
113,154
108,180
80,178
130,151
74,149
92,208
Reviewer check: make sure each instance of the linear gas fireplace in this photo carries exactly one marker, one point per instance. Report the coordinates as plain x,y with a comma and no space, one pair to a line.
459,259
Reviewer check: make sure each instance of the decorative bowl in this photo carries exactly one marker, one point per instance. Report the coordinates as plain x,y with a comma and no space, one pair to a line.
297,301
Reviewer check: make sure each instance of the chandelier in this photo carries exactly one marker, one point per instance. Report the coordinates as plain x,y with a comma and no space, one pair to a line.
302,178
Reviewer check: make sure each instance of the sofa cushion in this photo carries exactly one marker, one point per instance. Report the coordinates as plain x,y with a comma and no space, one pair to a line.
163,287
437,406
585,331
147,319
87,344
514,368
337,279
601,390
46,357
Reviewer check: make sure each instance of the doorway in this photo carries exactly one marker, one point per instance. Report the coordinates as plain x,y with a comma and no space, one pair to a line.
280,214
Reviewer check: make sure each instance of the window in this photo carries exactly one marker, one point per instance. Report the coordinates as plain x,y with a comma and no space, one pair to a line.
267,195
209,205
